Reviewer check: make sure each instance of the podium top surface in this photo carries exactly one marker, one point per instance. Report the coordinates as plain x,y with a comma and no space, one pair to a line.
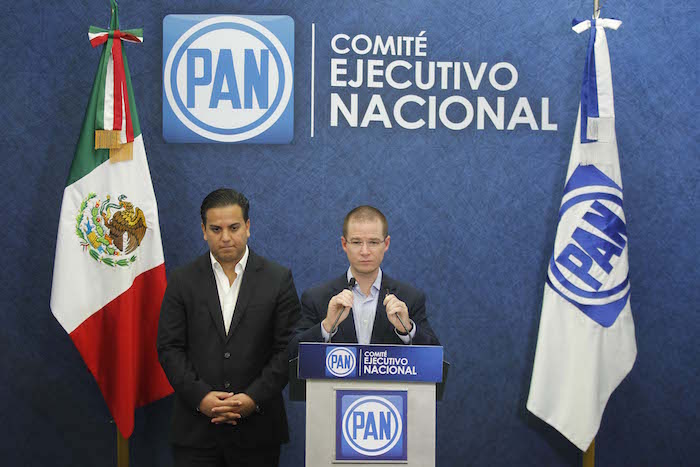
410,363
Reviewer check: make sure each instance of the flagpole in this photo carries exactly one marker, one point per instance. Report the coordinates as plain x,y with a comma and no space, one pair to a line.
589,455
122,450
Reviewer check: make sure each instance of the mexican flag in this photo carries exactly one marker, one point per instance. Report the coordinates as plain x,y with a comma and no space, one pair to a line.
109,272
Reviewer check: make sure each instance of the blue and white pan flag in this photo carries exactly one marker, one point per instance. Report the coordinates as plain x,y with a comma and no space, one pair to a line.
586,344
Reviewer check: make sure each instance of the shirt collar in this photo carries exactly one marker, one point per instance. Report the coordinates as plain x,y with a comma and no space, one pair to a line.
240,267
376,285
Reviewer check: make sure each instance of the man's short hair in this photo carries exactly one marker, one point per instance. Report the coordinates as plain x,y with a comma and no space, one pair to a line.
365,213
224,197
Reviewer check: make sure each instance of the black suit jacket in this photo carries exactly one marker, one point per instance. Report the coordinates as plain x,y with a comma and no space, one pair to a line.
314,305
199,357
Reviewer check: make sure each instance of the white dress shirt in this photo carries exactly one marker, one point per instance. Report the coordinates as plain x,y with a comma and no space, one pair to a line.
228,293
364,310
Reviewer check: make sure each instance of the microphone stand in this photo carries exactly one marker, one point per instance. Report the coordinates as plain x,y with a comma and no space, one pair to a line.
410,339
350,286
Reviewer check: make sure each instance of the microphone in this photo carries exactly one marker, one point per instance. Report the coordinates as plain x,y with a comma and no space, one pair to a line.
350,286
410,339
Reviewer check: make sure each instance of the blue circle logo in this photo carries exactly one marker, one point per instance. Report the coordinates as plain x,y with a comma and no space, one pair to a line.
589,266
341,362
228,79
372,425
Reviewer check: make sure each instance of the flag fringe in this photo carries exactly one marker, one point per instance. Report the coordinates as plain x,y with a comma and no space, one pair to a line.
107,139
124,152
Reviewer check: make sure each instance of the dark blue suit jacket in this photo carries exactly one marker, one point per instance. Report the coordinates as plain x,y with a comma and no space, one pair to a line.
314,305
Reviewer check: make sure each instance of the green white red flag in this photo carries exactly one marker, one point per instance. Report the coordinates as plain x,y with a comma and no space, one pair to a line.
109,272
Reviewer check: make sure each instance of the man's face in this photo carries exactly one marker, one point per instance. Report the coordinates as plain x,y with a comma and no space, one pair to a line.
226,233
365,245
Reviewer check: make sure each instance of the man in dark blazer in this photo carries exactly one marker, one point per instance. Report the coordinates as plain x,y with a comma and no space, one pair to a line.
225,323
364,305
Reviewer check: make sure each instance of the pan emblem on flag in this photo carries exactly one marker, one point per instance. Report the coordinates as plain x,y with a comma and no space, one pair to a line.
110,231
589,267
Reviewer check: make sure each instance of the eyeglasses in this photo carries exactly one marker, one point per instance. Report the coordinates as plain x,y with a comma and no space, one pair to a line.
371,244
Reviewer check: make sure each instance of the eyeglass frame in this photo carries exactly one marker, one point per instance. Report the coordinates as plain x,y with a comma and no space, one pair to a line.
371,244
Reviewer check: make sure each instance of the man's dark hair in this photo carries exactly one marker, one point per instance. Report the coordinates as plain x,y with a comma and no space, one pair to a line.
365,213
224,197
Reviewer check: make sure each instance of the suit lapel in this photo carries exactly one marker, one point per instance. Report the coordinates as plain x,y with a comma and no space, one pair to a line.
212,294
346,329
248,286
381,323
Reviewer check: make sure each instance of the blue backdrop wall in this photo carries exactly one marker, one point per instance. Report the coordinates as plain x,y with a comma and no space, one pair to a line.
472,214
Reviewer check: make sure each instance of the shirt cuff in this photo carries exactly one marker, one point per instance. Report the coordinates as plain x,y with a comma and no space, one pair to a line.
326,335
406,339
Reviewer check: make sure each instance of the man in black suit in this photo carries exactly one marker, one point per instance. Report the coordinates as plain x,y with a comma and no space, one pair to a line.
225,323
364,305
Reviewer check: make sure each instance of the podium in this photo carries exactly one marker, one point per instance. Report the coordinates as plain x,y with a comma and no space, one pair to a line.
368,404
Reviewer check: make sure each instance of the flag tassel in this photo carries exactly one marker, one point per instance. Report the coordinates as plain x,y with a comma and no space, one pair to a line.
114,128
107,139
121,153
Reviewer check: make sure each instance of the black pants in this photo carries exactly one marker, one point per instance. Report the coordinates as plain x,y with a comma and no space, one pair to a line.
226,457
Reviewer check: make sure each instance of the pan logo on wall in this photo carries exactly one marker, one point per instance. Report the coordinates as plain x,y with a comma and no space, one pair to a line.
228,79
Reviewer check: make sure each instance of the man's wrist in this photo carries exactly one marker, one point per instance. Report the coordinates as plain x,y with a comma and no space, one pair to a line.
401,331
326,326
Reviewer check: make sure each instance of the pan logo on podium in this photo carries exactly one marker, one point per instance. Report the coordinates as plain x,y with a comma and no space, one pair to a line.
228,79
341,361
371,362
371,425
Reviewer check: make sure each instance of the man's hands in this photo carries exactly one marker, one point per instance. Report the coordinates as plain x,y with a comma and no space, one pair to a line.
226,407
395,308
339,305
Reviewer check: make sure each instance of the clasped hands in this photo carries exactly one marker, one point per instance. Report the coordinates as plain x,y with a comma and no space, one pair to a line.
226,407
340,305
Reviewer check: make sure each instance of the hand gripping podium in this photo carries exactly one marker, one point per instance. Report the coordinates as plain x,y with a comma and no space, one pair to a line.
368,404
